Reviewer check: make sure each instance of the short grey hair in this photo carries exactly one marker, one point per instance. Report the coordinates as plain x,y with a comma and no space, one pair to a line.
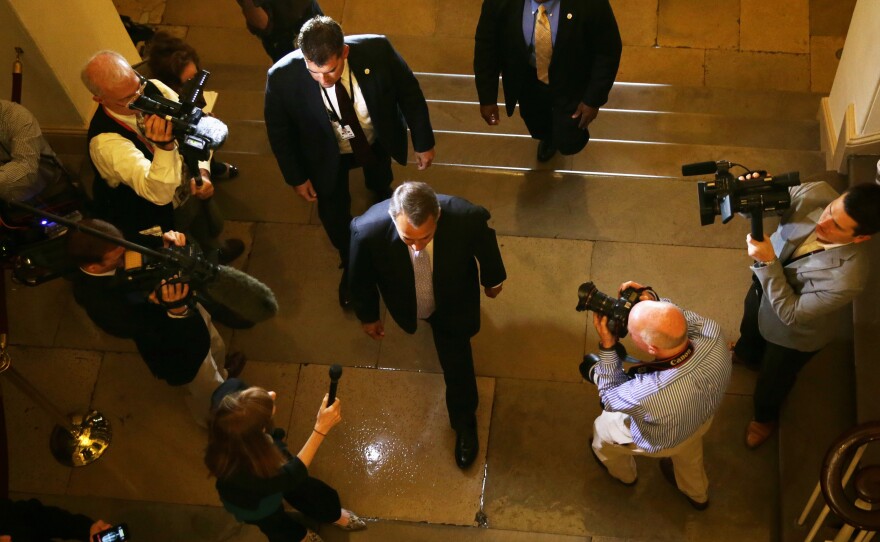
105,68
416,200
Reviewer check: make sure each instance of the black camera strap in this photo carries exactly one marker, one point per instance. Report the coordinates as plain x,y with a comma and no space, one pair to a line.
662,364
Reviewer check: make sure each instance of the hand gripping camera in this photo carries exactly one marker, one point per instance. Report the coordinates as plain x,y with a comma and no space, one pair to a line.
197,133
617,310
753,198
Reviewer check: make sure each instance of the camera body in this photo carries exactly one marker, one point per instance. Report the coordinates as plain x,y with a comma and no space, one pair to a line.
144,273
727,195
196,132
616,309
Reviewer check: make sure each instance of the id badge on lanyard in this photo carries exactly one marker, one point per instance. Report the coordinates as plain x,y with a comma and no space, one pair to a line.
343,130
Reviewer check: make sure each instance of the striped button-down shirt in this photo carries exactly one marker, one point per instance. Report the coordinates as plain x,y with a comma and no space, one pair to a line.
21,143
666,407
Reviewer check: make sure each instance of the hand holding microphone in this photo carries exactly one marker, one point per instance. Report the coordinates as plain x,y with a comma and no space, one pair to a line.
330,412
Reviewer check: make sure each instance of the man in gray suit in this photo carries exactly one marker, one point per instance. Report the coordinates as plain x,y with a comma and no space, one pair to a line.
810,268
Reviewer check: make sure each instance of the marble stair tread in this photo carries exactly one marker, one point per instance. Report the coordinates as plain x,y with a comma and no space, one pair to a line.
751,103
608,157
652,97
602,156
550,204
637,125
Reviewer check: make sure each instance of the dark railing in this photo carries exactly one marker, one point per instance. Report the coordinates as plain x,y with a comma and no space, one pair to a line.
866,479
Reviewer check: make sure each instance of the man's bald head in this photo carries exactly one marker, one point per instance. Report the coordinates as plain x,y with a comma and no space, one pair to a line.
106,69
112,81
657,327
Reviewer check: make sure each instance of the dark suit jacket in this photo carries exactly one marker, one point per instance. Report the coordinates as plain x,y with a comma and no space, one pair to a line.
585,59
300,132
173,348
380,262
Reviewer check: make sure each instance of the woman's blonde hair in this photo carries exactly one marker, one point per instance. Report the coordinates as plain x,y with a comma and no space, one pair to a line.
238,439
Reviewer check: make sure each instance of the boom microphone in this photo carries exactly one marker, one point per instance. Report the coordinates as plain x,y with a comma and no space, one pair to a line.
241,293
700,168
335,375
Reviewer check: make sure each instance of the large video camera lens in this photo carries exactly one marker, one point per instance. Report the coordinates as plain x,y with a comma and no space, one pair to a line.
616,309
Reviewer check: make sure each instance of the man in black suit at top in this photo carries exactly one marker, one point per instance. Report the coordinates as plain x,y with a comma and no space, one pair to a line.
558,60
338,103
419,250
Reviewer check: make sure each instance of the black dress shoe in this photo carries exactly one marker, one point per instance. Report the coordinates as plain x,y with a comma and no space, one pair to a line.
230,250
466,447
669,473
225,170
382,195
344,292
235,362
546,150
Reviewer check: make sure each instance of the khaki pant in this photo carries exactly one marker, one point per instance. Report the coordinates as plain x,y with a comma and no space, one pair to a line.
613,445
209,377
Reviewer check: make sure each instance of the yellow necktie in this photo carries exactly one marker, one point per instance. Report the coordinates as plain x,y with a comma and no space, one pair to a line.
543,45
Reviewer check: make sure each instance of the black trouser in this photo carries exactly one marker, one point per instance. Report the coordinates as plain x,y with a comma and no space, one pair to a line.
779,364
457,361
334,209
547,118
314,499
279,44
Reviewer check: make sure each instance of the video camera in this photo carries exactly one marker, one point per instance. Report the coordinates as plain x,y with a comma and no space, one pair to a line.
753,198
197,133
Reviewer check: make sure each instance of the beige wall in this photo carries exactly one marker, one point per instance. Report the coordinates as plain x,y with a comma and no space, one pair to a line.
58,37
858,76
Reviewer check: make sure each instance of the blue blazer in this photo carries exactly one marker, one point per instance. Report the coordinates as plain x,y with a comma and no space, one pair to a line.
380,263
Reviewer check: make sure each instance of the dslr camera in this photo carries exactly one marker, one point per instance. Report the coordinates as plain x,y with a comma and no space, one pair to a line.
753,198
616,309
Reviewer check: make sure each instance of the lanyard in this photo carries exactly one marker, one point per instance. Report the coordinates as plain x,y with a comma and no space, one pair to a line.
334,116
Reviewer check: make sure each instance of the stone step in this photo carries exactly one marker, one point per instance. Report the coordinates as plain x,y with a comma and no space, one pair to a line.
638,125
634,125
654,97
601,157
547,204
751,104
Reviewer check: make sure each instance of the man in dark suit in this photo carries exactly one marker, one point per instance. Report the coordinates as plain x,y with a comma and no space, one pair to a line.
420,251
338,103
558,59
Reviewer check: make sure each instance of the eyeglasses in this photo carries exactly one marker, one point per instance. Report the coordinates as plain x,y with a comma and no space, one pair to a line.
142,85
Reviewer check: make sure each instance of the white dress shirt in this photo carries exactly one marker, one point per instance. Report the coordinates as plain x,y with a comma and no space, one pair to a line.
349,81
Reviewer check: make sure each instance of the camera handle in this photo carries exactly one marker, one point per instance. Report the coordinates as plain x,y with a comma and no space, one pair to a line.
192,165
757,225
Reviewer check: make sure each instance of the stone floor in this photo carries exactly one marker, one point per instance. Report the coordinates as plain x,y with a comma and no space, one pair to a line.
391,459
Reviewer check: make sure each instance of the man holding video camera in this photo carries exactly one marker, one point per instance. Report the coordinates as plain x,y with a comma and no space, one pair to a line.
138,170
174,336
663,408
804,274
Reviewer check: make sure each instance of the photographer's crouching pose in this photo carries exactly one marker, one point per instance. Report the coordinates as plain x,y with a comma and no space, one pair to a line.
664,407
255,471
175,338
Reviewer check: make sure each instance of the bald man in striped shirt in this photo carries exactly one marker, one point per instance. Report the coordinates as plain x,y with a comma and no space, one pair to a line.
664,407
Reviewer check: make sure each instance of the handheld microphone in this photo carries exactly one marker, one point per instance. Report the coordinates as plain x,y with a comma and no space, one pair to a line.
335,375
